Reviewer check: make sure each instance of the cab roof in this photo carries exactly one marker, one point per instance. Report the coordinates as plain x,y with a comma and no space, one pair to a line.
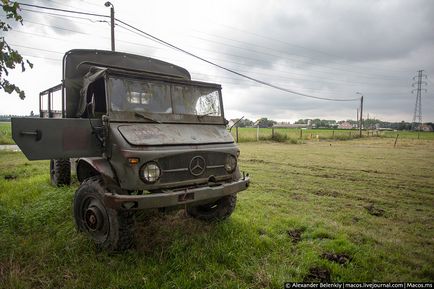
76,64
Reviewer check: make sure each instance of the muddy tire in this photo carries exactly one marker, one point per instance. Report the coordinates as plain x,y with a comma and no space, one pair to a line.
109,229
215,211
60,172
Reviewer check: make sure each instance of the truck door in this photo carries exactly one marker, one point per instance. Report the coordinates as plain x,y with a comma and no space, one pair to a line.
56,138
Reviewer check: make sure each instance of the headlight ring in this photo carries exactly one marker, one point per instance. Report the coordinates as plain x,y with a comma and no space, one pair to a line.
230,164
150,172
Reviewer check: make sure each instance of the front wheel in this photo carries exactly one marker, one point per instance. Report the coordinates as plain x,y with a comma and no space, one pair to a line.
215,211
108,228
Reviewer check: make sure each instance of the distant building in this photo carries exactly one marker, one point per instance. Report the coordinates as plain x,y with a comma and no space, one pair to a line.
426,127
345,125
289,125
232,122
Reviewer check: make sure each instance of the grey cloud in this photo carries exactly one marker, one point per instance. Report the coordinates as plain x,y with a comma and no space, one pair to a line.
335,48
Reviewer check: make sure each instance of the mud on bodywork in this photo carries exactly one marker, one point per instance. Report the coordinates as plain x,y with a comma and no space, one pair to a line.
175,159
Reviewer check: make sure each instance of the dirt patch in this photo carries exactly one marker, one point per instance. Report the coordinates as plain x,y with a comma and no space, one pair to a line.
295,235
355,220
323,192
337,258
258,161
298,197
317,274
327,176
375,211
10,177
261,232
154,232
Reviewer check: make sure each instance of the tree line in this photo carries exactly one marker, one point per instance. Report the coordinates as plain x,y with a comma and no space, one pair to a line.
371,123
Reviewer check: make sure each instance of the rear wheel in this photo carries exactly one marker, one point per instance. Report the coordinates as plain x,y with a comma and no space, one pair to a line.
215,211
60,172
109,229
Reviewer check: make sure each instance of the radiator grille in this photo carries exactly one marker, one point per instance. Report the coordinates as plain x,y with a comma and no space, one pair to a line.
176,167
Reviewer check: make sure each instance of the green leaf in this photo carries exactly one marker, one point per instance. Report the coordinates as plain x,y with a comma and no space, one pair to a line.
9,57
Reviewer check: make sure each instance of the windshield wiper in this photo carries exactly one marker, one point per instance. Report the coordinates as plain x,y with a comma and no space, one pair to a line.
146,117
203,115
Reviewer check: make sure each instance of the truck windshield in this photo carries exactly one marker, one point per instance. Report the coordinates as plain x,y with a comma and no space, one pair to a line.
162,97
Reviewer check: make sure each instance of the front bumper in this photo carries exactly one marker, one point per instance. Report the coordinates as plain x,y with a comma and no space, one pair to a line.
175,197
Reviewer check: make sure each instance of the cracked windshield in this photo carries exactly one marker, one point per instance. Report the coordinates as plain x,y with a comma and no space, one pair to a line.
161,97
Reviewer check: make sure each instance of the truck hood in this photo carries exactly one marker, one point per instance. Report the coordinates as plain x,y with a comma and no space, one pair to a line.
174,134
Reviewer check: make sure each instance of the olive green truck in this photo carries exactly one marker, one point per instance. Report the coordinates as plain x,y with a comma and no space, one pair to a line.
140,134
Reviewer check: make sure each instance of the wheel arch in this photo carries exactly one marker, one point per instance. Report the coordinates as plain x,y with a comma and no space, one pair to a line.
90,167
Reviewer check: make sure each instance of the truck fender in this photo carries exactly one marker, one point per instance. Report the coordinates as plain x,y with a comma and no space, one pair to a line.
89,167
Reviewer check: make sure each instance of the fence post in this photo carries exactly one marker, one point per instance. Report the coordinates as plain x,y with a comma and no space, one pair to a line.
236,131
418,135
397,135
272,133
350,134
333,134
301,134
257,133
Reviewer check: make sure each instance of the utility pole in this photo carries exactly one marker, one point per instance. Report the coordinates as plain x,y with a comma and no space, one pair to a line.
357,118
361,114
417,116
112,23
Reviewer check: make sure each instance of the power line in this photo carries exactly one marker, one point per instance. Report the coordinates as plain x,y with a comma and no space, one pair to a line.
207,76
235,80
287,43
62,15
286,76
161,41
361,74
346,82
227,69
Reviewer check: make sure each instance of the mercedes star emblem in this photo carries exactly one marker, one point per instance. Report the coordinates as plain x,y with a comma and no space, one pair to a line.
197,166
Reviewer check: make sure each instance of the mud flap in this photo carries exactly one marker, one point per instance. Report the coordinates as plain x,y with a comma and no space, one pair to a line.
56,138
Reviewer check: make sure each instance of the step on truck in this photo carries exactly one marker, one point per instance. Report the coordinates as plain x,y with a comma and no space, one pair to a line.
140,134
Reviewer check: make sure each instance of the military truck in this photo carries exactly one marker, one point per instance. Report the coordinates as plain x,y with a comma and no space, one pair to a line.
140,135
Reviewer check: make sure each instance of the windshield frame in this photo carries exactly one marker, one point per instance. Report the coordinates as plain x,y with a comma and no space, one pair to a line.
131,116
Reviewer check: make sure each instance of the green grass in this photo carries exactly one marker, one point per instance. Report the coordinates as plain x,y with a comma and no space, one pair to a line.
409,134
5,133
361,198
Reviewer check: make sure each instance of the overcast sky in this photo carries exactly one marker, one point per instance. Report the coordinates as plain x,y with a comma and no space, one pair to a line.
328,49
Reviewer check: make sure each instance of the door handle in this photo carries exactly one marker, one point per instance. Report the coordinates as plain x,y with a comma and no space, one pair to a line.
37,133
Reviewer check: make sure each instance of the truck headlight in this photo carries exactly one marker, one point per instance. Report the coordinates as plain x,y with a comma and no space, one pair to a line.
231,164
150,172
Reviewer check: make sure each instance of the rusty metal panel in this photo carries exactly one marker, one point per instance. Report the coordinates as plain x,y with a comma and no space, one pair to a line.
170,134
48,138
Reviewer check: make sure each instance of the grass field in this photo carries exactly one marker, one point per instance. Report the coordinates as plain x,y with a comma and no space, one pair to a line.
283,134
356,210
294,135
5,133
